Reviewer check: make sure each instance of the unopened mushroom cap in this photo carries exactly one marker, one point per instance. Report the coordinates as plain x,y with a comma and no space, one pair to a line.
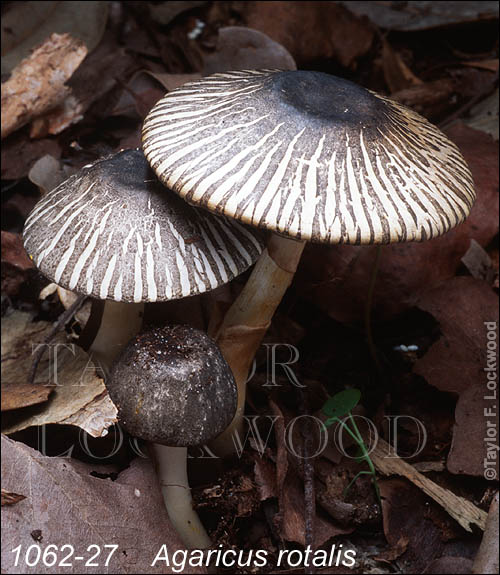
172,386
113,232
308,155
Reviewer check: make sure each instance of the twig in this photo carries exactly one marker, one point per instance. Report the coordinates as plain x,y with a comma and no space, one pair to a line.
60,324
462,510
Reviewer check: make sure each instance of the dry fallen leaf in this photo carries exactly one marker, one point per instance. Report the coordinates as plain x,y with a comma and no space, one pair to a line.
65,505
456,362
478,263
20,153
418,15
16,265
484,116
79,396
408,515
312,30
397,74
240,48
21,394
48,172
37,84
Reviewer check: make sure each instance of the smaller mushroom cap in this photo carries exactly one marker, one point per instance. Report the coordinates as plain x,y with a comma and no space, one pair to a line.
172,386
112,231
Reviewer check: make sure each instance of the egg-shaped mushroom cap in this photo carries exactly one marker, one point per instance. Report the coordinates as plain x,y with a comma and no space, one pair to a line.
172,386
308,155
112,231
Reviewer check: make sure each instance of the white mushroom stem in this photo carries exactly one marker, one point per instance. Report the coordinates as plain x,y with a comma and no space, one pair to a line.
172,471
248,319
120,322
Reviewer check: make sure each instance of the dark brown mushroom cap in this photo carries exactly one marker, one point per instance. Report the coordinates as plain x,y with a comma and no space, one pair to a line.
113,232
308,155
172,386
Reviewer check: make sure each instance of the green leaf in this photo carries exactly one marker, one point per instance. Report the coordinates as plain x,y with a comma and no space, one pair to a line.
342,403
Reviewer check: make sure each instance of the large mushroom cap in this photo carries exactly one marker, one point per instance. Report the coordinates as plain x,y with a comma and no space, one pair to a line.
113,232
172,386
308,155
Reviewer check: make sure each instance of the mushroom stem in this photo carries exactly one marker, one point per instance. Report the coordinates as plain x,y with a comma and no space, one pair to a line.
249,317
172,471
120,322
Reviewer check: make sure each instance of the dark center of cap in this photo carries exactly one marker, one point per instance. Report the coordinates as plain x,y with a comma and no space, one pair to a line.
129,171
325,97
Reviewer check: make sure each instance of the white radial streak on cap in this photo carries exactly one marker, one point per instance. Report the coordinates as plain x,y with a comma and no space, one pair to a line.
150,274
61,231
183,275
127,240
249,186
378,229
343,202
222,249
422,216
52,206
90,271
197,269
182,131
217,195
117,294
271,216
215,254
140,247
236,243
137,278
275,181
359,212
448,201
329,212
292,196
178,237
249,235
158,236
173,158
163,109
110,237
401,206
65,258
103,292
202,163
168,283
391,215
311,196
208,270
196,258
82,260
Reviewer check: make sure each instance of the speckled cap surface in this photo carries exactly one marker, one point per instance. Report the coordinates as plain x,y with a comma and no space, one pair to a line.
308,155
172,386
112,231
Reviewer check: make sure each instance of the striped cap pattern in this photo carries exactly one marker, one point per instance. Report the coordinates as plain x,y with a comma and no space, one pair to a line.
112,231
308,155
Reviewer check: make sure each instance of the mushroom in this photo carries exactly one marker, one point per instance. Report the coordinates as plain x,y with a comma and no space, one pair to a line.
172,387
112,232
310,157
